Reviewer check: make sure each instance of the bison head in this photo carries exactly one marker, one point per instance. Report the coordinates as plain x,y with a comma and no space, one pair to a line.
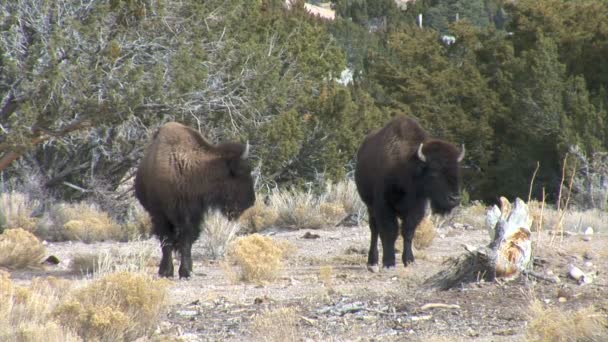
441,174
238,191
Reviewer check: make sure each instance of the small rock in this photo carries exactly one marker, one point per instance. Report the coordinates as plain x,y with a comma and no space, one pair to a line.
576,273
586,238
588,231
309,235
564,293
51,260
588,264
588,255
187,313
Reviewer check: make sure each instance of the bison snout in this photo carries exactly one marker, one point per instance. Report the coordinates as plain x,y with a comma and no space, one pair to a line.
454,199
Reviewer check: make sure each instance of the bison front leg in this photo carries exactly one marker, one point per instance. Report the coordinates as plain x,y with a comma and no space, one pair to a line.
408,229
166,262
185,266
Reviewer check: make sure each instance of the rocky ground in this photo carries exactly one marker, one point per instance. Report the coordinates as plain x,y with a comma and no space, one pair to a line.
325,292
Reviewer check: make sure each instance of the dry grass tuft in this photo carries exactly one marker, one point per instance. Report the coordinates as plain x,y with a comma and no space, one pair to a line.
473,215
425,233
137,259
119,306
259,217
138,223
20,249
298,210
555,324
85,263
325,275
276,326
24,311
79,222
217,233
345,193
16,209
258,258
305,210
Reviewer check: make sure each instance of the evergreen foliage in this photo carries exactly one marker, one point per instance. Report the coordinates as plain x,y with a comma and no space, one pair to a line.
83,84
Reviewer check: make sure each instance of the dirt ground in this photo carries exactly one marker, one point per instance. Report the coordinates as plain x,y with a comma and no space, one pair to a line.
328,295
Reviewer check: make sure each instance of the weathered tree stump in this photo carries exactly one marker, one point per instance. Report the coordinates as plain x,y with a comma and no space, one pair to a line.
507,255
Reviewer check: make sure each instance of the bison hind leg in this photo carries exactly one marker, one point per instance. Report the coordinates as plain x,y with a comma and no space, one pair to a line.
372,257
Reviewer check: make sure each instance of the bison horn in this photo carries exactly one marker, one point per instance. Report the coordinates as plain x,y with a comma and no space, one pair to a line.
245,154
420,154
461,156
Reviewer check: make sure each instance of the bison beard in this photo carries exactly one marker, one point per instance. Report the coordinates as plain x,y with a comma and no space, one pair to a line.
179,178
399,169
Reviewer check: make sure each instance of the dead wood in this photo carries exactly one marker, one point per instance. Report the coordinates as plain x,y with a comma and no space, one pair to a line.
507,255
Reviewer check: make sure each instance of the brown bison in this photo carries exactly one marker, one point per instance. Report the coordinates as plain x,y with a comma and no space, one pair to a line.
399,169
180,177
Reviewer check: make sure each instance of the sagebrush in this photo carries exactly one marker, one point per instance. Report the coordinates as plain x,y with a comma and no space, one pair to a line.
20,249
258,258
119,306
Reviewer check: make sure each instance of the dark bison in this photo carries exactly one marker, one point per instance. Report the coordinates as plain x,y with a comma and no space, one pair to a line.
180,177
399,168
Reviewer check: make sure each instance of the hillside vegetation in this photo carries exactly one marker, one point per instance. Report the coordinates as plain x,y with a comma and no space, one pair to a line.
85,83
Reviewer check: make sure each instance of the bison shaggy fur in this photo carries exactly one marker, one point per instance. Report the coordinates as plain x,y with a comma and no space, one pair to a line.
180,177
399,170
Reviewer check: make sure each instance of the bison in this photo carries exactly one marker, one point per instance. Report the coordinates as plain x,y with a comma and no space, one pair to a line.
399,169
180,177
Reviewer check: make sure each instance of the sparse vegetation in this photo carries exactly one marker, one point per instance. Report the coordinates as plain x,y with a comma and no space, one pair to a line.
276,326
79,222
258,258
85,263
557,324
16,210
217,233
20,249
259,217
119,306
305,210
24,311
425,233
325,275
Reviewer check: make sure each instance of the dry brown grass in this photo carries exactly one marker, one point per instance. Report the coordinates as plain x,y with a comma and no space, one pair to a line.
119,306
80,222
425,233
345,194
20,249
258,258
16,209
473,215
217,233
85,263
556,324
138,224
278,325
297,210
325,275
259,217
24,311
305,210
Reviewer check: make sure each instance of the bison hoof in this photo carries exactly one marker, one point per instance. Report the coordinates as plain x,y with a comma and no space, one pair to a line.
390,269
373,268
